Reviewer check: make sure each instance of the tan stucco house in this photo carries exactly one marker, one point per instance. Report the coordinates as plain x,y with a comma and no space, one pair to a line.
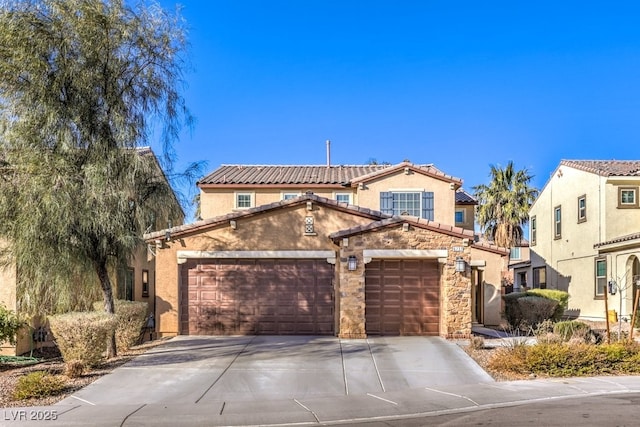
585,233
350,251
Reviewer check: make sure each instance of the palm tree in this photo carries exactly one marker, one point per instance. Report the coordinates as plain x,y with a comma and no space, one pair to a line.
503,205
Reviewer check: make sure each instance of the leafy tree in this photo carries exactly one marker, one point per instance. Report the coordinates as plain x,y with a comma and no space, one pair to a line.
503,205
82,84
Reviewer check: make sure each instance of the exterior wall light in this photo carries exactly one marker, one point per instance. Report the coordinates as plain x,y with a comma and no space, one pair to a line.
613,287
461,266
352,263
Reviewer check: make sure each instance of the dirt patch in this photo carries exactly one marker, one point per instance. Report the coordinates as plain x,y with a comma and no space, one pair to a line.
52,362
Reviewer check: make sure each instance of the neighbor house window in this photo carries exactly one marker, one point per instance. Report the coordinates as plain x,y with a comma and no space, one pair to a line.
628,197
533,230
459,216
515,253
145,283
582,208
414,203
126,278
540,278
343,198
244,200
289,196
601,277
557,222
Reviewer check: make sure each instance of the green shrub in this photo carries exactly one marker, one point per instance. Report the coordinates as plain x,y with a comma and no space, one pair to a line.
535,310
130,318
561,297
82,336
38,384
572,329
512,311
9,325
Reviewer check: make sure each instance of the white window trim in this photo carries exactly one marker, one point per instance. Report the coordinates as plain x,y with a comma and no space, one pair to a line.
289,193
238,193
350,195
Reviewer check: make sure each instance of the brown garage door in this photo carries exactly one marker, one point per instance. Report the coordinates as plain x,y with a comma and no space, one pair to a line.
257,296
402,297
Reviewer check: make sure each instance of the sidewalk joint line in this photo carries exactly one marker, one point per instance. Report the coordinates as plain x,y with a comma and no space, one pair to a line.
383,399
82,400
307,409
375,365
226,369
453,394
344,370
128,415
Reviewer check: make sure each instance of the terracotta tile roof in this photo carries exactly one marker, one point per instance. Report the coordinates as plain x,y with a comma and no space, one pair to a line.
464,198
620,239
311,175
414,221
606,167
212,222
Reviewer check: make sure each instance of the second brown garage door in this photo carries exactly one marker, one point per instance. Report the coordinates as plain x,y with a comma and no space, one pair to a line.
402,297
257,296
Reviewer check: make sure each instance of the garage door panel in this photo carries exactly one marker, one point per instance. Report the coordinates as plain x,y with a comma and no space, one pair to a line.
402,297
264,296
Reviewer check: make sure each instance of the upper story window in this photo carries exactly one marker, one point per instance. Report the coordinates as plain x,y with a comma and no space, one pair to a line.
244,200
582,209
557,222
289,196
533,230
459,216
415,203
343,197
515,253
600,277
628,197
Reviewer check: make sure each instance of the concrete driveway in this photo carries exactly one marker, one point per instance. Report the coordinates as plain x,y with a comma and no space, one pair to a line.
189,369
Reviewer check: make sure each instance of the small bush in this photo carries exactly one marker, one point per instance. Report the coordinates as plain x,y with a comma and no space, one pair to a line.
82,336
561,297
512,311
74,368
564,360
38,384
9,325
476,342
535,310
130,318
572,329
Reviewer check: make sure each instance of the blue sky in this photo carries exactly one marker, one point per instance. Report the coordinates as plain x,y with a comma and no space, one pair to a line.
460,84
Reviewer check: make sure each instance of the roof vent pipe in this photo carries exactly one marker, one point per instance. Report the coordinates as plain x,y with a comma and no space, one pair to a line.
328,153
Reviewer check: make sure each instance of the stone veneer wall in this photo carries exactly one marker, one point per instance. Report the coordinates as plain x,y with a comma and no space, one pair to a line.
455,288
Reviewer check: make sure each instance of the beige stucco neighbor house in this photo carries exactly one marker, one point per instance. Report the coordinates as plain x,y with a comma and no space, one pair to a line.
350,251
135,282
585,233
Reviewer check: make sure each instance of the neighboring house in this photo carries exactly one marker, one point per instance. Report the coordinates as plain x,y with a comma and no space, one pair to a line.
339,250
520,267
134,283
585,232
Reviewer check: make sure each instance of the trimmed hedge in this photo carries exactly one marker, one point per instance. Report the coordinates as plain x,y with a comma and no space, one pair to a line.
561,297
82,336
130,318
516,317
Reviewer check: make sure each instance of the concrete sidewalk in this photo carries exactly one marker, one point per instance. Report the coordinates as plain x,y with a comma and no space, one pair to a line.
329,410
